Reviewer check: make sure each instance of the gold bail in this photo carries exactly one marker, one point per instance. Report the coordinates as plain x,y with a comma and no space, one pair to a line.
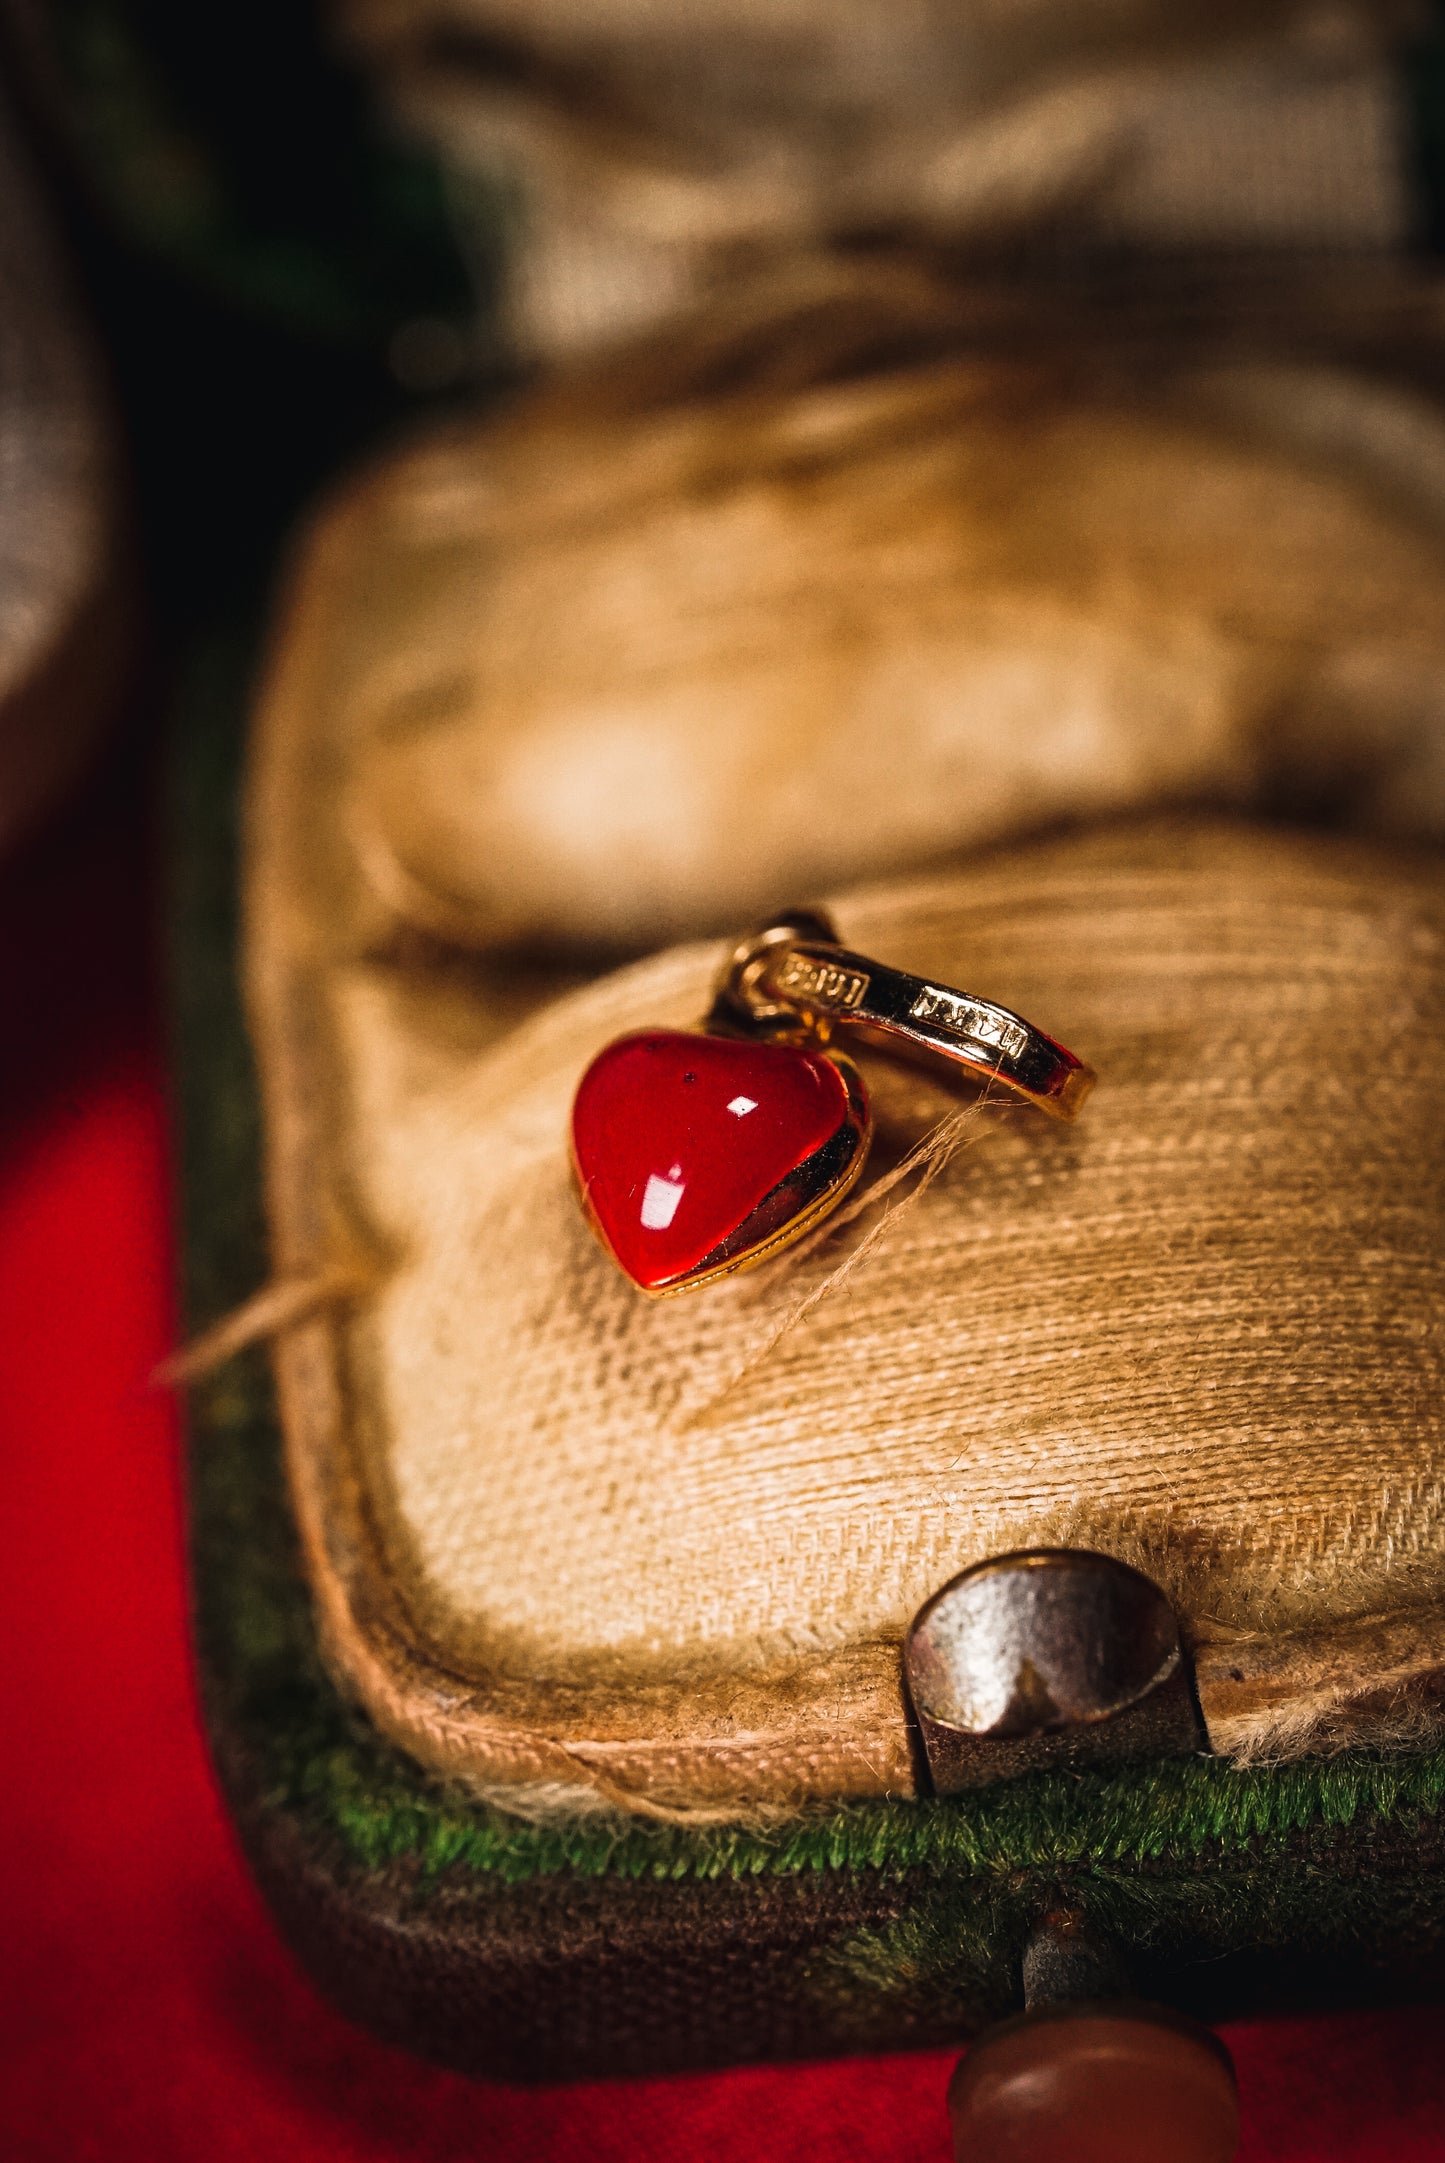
795,978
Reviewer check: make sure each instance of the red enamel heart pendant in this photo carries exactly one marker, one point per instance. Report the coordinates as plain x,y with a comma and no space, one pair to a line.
699,1155
696,1155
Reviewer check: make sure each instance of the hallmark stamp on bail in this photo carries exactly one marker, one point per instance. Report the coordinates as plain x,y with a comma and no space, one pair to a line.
821,983
972,1018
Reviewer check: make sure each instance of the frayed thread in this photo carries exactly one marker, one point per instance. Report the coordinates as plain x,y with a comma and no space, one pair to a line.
923,1164
281,1305
597,1795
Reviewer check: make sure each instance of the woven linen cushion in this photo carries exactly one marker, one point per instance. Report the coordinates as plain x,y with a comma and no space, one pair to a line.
653,653
664,157
574,1546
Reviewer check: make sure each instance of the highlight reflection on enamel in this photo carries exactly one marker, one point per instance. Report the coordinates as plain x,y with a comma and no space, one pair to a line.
698,1154
660,1198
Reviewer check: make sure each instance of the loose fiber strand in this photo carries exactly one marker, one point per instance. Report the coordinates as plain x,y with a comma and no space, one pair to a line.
275,1308
926,1159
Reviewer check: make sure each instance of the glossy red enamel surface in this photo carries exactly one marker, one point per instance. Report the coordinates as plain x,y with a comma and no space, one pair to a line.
678,1138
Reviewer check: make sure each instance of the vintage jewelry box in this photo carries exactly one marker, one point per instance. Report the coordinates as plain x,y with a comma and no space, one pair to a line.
620,1588
589,1672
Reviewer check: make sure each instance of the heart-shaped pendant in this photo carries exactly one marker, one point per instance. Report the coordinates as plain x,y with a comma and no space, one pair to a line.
699,1155
696,1155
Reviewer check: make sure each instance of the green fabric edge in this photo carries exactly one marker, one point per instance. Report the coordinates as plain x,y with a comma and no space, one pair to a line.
325,221
318,1757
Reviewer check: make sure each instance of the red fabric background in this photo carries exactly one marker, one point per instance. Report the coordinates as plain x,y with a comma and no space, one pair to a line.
149,2014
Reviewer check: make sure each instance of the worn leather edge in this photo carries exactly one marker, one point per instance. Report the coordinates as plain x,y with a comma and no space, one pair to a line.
564,1977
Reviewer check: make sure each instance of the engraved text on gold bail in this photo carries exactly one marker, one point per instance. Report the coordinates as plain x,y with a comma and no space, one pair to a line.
821,983
971,1018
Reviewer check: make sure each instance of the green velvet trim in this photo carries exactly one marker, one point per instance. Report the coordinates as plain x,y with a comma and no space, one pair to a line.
1184,1847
